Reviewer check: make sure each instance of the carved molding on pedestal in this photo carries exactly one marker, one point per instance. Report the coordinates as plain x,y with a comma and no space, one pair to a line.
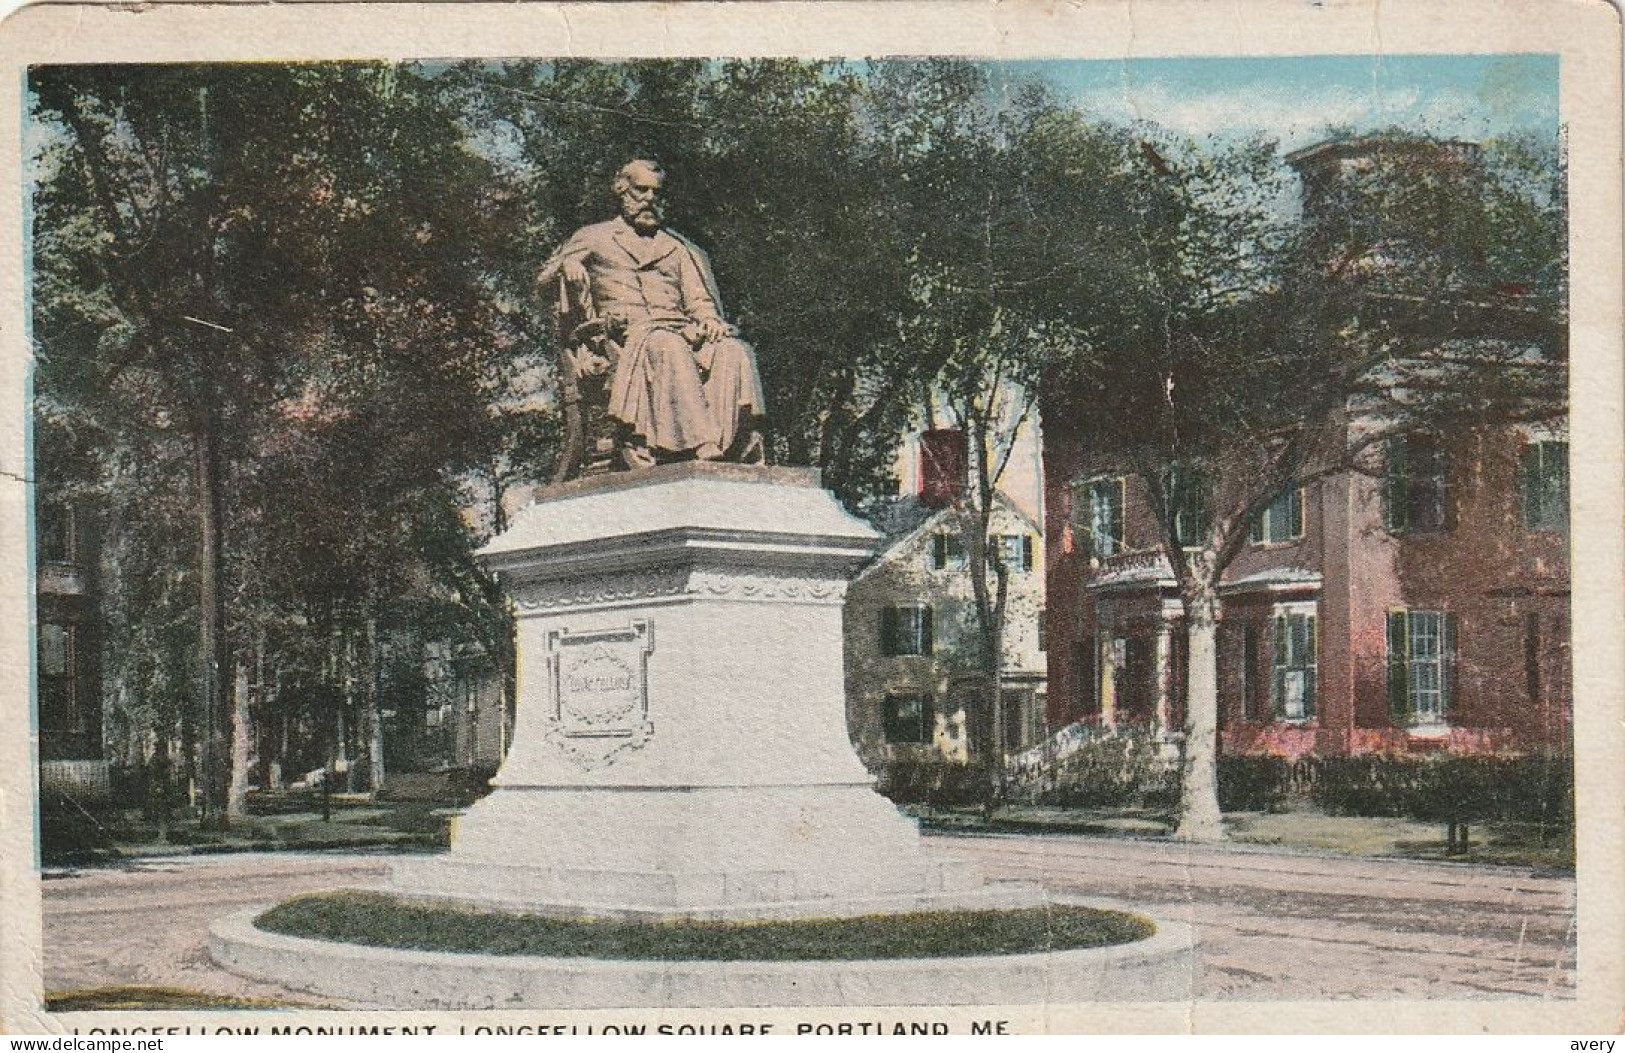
602,590
778,588
677,583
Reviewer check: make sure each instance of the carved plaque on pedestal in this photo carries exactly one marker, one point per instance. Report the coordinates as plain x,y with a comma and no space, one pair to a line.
598,688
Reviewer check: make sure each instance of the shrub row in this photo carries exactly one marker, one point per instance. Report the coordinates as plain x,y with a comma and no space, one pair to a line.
159,789
1437,788
1122,769
1254,784
1126,771
1537,789
935,783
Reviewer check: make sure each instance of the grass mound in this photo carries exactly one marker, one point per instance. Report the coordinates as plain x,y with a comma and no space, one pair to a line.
378,920
112,998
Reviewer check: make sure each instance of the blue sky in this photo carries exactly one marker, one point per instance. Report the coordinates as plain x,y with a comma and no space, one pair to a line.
1295,98
1291,99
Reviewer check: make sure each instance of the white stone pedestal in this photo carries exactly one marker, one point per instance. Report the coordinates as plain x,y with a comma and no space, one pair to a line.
680,747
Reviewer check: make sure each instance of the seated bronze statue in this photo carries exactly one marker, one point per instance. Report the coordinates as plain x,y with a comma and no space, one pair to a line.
649,370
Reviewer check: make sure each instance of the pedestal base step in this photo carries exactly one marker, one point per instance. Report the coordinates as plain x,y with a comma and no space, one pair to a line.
709,895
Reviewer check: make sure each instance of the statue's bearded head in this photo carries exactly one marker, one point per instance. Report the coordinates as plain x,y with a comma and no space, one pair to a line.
637,187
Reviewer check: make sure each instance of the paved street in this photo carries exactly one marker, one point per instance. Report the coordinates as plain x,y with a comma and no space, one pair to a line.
148,925
1280,925
1272,925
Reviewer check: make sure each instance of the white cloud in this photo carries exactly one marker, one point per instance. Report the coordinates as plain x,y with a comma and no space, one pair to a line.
1293,117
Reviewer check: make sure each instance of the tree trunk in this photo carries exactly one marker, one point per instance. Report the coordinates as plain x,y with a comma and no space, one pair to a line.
160,781
242,746
499,494
337,696
1199,818
982,731
189,758
369,688
986,732
341,754
276,772
213,647
995,695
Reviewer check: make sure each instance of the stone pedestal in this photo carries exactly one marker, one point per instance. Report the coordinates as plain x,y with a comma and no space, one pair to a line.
680,747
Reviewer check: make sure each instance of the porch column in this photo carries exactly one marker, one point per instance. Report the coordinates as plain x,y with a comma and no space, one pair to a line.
1163,675
1106,673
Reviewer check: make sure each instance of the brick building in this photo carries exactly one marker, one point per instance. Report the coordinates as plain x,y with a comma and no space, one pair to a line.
1424,608
67,634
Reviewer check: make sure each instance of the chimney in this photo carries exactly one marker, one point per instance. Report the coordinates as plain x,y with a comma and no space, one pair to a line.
942,467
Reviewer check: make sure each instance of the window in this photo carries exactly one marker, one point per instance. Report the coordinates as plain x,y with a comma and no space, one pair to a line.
905,629
55,538
1086,679
58,695
1416,486
1544,486
1100,517
1281,520
1249,671
1016,550
1421,666
1531,657
908,719
1187,492
947,551
1018,722
55,649
1292,683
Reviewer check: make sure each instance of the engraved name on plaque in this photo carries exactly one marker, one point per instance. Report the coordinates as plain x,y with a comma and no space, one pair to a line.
598,686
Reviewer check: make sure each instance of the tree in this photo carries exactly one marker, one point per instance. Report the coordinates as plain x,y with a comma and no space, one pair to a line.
152,194
288,278
1420,289
1032,223
284,314
777,171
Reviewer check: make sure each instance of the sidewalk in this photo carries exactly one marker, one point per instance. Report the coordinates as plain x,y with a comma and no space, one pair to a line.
279,824
1303,831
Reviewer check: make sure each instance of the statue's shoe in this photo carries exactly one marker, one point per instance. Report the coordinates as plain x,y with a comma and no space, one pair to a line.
634,457
754,450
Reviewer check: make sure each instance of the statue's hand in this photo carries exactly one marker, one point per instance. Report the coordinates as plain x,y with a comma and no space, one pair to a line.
575,272
714,329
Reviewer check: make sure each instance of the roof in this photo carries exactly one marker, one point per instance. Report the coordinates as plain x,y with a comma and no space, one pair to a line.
1338,149
1277,579
1139,570
901,520
1151,570
898,517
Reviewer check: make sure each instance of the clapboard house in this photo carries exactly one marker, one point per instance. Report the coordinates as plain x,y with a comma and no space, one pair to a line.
912,675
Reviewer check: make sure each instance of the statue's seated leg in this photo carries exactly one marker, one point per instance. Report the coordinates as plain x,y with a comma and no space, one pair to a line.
679,421
733,391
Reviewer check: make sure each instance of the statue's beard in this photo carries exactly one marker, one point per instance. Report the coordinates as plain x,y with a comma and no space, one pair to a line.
645,219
